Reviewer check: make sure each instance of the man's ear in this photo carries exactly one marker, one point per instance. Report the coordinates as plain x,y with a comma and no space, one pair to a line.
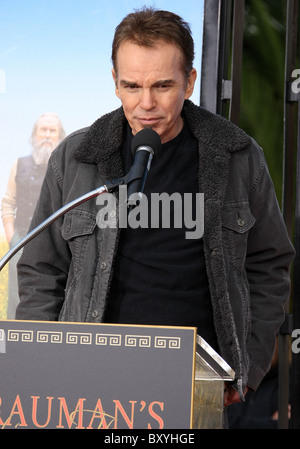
116,82
190,83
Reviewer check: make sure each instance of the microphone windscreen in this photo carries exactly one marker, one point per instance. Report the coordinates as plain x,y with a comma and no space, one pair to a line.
146,137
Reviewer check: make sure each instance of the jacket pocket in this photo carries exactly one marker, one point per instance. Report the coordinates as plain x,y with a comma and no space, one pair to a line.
237,221
77,228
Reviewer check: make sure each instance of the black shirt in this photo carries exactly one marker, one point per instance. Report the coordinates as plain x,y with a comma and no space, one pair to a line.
159,275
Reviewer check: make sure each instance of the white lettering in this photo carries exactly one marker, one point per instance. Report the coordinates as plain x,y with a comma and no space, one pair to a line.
171,438
123,439
106,217
296,83
160,212
296,343
138,216
198,223
165,200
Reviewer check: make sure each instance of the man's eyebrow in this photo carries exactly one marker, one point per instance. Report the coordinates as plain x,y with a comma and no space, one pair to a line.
128,83
156,84
162,82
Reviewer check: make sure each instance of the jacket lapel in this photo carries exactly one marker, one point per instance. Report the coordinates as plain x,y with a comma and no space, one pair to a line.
101,145
218,139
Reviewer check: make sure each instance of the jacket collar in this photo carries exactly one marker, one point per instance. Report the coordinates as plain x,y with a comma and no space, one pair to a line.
213,131
101,145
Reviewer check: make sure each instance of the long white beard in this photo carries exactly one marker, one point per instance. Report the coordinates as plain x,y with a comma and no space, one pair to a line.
42,151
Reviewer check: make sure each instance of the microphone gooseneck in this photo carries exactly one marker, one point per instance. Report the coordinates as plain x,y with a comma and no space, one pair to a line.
144,144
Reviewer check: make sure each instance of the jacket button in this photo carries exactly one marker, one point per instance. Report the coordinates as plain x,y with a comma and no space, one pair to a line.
103,265
241,222
95,314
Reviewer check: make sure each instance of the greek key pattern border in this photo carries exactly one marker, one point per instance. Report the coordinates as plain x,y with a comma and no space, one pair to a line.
88,338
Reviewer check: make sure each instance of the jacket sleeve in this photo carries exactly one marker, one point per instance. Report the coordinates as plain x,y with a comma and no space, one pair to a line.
43,266
268,260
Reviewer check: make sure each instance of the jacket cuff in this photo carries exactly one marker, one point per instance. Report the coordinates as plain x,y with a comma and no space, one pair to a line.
255,376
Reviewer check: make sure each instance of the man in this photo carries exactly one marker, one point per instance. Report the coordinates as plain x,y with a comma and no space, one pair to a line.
23,189
232,283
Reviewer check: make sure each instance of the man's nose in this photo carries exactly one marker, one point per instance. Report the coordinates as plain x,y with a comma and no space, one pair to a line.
47,133
147,100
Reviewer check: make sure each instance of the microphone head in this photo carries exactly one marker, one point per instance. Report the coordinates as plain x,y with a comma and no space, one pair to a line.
146,137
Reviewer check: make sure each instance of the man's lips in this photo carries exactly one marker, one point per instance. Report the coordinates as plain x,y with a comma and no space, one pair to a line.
148,120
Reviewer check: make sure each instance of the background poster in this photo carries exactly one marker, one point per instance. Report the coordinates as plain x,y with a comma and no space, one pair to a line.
56,57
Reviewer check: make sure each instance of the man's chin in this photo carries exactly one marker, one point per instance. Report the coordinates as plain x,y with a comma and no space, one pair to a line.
47,147
137,128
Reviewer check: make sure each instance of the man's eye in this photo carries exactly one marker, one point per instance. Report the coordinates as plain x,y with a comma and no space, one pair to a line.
164,86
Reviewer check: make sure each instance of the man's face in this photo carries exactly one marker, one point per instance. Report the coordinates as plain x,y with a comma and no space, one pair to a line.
47,132
152,87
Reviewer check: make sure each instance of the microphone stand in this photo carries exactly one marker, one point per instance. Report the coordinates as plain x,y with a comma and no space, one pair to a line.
109,187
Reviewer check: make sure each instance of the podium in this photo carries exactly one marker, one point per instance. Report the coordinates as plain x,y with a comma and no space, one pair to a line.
56,375
211,371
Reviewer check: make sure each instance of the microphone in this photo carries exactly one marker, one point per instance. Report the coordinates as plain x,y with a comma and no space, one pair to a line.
144,144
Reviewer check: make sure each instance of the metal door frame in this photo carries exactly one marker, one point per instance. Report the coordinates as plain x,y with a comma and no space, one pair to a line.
222,54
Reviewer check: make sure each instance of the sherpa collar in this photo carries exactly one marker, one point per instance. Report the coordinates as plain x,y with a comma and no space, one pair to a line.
101,145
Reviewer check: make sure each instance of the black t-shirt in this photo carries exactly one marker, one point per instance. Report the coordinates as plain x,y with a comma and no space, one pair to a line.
159,275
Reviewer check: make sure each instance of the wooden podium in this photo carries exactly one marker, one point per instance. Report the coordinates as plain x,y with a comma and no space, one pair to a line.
56,375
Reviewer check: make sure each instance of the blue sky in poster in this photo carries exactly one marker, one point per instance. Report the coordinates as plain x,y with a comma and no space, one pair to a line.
55,56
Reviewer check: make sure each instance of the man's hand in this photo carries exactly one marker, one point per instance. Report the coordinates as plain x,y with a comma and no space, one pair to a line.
231,396
9,229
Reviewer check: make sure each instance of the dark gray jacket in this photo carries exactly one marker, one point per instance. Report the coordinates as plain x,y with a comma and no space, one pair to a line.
65,272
